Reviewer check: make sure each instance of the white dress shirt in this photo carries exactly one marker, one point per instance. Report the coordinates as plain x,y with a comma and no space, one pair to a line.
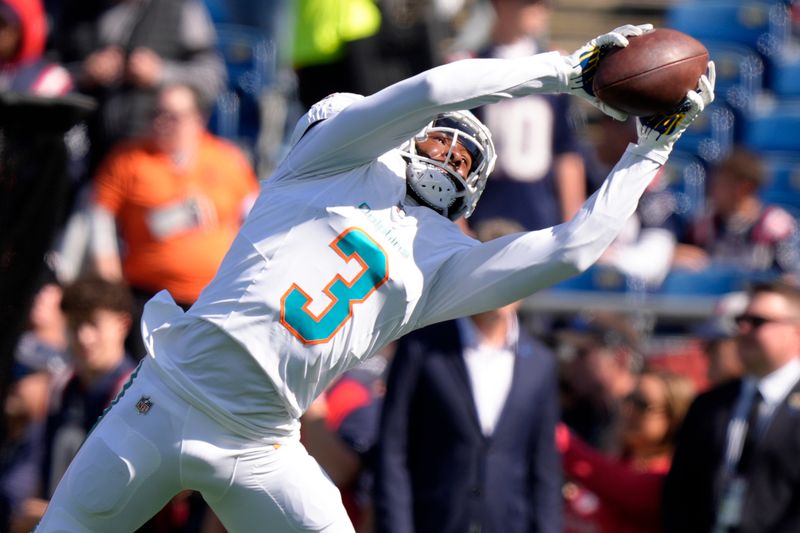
490,370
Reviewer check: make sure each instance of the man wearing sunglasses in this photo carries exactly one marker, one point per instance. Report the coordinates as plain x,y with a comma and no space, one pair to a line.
735,466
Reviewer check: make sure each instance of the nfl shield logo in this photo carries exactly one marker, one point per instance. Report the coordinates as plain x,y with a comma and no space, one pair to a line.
144,405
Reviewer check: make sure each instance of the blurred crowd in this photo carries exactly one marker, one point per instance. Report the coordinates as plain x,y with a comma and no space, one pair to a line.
518,419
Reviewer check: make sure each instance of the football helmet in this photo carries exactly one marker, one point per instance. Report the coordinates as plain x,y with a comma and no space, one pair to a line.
435,183
324,109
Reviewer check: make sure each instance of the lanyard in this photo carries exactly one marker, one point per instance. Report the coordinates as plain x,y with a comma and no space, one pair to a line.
737,429
733,487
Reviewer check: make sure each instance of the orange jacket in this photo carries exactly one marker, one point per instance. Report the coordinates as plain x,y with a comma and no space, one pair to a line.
175,225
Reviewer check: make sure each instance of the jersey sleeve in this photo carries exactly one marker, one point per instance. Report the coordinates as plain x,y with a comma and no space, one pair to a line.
496,273
383,121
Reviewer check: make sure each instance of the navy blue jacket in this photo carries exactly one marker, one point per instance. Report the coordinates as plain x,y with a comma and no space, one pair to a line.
690,491
436,472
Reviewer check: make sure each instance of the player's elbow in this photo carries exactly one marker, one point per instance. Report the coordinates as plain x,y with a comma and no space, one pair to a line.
574,264
582,261
580,254
584,240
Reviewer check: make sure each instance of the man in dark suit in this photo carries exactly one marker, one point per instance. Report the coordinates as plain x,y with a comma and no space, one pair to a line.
736,466
466,440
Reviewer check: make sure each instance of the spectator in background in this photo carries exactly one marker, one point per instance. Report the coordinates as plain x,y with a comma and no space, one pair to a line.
362,46
739,231
468,427
622,493
23,32
122,52
98,316
718,338
43,344
328,48
599,365
606,139
645,247
539,180
22,448
41,359
177,196
735,466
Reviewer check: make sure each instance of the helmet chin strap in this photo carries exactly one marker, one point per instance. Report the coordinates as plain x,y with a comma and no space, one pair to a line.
414,199
432,182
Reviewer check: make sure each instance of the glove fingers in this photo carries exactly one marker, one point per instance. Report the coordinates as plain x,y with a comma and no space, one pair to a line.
706,90
613,38
696,102
712,74
613,112
630,30
619,36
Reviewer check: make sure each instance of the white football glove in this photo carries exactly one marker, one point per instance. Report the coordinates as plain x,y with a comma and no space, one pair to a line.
658,133
583,63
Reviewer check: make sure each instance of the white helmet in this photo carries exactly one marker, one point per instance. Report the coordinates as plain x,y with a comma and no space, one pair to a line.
435,184
325,108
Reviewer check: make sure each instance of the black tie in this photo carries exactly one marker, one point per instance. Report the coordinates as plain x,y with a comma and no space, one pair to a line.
751,438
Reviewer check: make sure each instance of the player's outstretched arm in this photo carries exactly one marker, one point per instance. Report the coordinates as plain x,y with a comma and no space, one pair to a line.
375,124
498,272
371,126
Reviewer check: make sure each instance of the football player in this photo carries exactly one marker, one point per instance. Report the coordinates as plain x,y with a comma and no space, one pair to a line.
350,245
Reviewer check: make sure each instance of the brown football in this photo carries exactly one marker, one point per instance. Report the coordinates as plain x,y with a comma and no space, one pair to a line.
652,74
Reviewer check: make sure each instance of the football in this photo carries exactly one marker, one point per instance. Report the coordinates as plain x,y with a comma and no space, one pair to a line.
652,74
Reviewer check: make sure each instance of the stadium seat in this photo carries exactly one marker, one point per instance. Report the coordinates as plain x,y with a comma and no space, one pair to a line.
784,78
711,135
685,177
599,278
743,22
773,129
218,10
711,281
225,115
740,71
783,184
249,56
250,63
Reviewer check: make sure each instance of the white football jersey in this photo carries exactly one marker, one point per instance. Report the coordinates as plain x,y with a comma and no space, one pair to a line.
334,262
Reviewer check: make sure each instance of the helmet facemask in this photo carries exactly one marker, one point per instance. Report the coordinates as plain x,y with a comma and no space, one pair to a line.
435,183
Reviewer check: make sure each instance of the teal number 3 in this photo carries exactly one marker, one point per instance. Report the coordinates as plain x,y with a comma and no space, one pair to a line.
351,244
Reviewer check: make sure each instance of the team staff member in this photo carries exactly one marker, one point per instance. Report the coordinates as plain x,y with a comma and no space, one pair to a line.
350,246
735,467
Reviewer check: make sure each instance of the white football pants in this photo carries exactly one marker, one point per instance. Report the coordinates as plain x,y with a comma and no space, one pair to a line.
133,463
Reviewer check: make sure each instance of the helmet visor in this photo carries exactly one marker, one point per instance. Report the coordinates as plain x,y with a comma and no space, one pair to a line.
468,140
